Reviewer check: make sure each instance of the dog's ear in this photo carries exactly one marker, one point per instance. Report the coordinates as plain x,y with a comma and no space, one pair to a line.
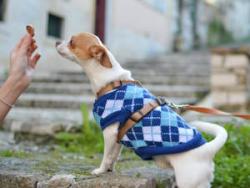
100,54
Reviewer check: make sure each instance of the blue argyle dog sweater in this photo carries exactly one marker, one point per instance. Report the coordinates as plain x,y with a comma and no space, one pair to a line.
162,131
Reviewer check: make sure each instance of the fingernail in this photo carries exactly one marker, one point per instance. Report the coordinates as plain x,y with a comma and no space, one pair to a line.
30,30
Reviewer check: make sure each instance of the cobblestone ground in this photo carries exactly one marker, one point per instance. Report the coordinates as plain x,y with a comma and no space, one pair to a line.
26,165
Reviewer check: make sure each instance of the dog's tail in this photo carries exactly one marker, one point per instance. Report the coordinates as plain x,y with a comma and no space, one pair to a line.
217,131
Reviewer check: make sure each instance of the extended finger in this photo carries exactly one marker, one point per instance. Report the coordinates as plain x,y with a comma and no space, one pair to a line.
34,60
31,49
20,42
25,43
32,46
30,30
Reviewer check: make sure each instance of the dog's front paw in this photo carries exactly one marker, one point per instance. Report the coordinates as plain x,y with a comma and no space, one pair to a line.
98,171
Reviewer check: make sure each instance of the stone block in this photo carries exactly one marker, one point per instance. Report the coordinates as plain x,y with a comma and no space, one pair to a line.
18,179
223,80
219,98
217,60
237,97
36,128
62,181
241,71
236,61
230,80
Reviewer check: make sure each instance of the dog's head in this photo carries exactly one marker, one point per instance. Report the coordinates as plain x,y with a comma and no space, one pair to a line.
83,48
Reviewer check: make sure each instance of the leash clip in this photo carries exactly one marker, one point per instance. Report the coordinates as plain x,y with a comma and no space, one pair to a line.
177,106
162,101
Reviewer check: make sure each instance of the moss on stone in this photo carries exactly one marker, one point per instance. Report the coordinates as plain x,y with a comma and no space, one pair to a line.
16,154
48,167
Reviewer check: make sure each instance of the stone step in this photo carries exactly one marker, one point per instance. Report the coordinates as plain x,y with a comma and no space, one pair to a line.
59,88
170,72
166,67
45,115
54,101
162,71
194,57
79,89
49,172
174,80
177,90
156,79
73,102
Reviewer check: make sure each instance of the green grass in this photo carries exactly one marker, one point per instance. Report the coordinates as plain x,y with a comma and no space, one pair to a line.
16,154
89,141
233,161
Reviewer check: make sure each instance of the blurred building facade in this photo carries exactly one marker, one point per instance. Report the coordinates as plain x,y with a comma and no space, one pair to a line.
132,29
53,20
236,17
147,28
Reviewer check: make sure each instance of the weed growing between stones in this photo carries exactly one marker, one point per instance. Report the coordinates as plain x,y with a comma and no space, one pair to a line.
48,167
16,154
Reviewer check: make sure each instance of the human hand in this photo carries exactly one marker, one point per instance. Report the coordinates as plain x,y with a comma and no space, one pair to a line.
23,60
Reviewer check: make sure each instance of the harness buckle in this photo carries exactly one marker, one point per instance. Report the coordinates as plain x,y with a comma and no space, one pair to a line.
161,101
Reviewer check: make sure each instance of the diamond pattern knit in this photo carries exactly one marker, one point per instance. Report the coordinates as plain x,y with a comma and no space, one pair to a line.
162,131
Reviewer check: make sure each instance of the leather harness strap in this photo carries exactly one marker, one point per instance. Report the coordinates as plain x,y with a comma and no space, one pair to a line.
115,84
138,115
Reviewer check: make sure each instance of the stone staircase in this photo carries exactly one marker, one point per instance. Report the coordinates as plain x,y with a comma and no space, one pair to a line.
57,97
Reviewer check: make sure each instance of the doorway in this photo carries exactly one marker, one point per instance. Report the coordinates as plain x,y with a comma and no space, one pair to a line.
100,19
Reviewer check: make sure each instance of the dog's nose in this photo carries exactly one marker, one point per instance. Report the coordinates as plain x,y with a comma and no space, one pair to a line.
58,43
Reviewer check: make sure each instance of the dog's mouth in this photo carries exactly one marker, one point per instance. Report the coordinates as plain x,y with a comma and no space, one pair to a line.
66,55
61,53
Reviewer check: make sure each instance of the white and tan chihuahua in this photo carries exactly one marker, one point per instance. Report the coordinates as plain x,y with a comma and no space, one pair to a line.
193,168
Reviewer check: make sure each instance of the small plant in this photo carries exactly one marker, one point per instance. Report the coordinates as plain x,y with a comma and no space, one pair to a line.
85,117
89,141
218,34
233,161
13,153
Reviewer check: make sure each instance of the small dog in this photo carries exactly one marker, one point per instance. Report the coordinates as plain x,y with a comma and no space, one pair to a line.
166,138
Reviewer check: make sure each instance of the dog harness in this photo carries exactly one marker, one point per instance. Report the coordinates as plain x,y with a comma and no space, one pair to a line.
161,131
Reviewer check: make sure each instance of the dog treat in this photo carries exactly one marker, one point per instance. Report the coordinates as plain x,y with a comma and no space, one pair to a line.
30,30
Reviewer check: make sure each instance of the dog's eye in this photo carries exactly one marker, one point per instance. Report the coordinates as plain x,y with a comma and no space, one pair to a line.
71,43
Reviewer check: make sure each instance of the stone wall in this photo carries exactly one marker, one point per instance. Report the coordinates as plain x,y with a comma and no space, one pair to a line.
230,78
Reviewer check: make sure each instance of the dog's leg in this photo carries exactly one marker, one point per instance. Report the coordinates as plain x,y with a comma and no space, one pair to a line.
193,169
162,161
111,149
116,153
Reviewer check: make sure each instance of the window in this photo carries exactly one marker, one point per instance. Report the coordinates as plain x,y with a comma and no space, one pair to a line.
55,26
2,9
